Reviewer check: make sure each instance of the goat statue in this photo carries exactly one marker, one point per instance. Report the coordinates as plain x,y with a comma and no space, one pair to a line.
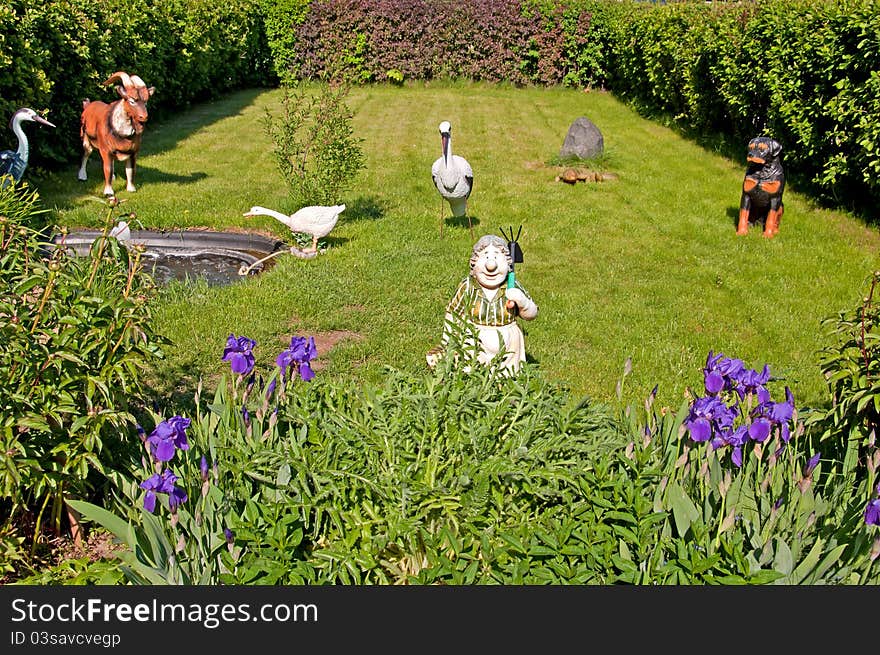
115,129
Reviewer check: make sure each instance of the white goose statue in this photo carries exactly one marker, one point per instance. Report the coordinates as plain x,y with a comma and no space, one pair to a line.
315,220
14,162
453,177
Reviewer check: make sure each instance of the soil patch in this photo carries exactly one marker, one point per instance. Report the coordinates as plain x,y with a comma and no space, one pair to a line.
325,341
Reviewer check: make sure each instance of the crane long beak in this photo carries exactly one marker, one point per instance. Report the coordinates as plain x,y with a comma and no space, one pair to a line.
444,142
42,120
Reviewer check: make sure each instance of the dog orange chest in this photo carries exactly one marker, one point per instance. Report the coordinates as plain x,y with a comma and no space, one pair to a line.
768,186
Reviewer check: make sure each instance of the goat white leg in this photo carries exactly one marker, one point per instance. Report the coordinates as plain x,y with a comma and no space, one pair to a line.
87,150
129,173
108,175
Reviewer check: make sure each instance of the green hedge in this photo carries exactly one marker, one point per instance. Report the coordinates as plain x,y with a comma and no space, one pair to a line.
806,72
55,53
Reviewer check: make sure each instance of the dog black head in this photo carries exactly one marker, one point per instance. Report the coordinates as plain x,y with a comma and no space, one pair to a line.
764,153
763,150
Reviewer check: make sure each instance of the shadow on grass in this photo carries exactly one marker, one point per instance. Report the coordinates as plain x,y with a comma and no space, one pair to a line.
66,190
148,175
365,208
462,222
172,390
335,242
186,122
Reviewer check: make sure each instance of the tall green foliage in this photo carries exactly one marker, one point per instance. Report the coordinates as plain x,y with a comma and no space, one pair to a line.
315,148
280,19
851,365
479,478
77,338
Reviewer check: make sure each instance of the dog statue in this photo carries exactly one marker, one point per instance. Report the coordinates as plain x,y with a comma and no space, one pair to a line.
762,187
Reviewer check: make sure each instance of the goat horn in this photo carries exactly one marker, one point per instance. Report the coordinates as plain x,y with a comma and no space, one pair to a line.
137,81
121,76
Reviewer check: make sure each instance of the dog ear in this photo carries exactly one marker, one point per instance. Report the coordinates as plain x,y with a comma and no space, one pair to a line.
775,148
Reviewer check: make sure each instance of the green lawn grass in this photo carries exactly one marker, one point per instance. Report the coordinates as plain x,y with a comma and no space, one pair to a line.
646,266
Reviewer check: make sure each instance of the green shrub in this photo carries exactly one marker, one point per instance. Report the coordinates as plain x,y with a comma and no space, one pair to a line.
851,365
394,76
479,478
281,18
314,143
77,340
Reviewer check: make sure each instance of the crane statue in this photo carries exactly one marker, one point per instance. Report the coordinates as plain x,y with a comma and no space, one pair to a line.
14,162
453,177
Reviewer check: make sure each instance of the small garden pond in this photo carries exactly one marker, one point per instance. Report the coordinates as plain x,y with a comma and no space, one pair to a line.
219,258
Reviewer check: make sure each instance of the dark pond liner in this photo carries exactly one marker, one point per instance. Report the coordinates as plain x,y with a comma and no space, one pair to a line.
183,255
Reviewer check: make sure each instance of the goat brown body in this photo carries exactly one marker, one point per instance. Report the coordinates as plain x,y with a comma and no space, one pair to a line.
115,129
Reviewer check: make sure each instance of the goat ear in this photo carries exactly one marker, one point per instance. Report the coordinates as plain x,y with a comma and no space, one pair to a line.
120,91
151,90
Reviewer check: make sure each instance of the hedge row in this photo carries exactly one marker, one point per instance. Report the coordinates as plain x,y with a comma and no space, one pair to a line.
517,41
55,53
806,72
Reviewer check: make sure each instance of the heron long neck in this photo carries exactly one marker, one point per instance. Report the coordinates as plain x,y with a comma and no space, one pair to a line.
22,140
449,173
450,162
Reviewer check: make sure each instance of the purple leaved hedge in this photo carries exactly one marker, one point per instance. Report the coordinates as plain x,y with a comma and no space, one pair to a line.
488,40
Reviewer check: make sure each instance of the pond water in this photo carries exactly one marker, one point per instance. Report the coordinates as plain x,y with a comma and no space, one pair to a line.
219,258
215,267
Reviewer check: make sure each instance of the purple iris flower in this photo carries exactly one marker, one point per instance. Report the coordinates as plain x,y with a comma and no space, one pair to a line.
814,460
168,435
759,430
708,415
162,483
238,353
770,413
737,456
750,381
301,351
203,468
779,412
721,372
229,534
714,382
732,437
872,512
